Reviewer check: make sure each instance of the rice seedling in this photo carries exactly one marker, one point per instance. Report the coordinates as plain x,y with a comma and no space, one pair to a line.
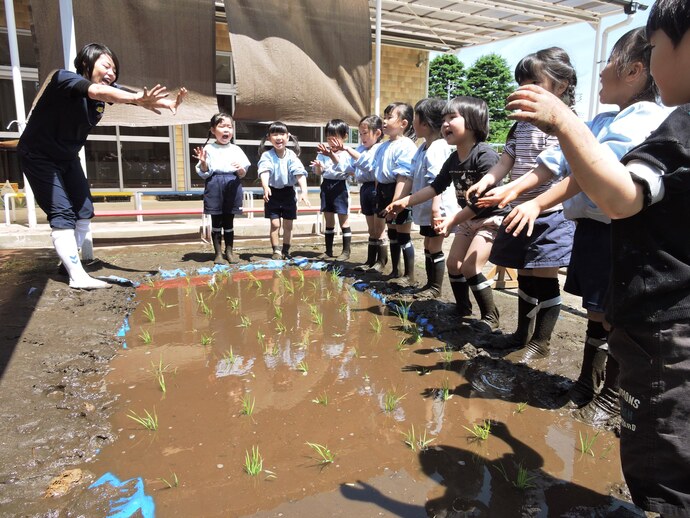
586,443
402,345
303,367
230,356
328,294
271,349
245,321
403,313
247,405
480,432
334,274
146,337
277,312
260,337
326,456
447,354
253,462
605,453
343,307
415,443
523,480
159,371
317,318
202,305
353,294
376,325
391,401
280,328
287,285
207,339
445,392
304,343
321,399
314,285
520,408
213,285
148,421
148,281
174,481
234,303
159,294
300,275
149,313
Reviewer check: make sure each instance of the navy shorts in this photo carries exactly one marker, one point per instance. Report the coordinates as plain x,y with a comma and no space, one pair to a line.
655,404
428,231
384,197
549,245
367,198
589,270
223,194
335,196
60,188
281,204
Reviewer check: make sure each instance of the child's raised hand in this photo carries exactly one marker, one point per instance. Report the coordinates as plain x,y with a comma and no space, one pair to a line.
267,193
200,154
523,215
324,149
533,104
317,166
335,144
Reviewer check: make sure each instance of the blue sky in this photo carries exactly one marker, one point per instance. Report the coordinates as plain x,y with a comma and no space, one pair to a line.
578,40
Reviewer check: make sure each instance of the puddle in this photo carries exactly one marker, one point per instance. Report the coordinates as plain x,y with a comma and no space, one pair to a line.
304,349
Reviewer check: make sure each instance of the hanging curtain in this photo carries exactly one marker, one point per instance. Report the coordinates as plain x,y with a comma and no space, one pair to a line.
157,41
301,61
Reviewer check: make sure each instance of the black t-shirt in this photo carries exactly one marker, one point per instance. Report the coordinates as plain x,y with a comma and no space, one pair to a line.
62,118
465,173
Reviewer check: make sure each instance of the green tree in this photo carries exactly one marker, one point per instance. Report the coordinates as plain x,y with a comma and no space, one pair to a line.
446,77
491,79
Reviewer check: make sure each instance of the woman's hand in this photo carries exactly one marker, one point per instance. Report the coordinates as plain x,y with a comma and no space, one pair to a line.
157,98
533,104
523,215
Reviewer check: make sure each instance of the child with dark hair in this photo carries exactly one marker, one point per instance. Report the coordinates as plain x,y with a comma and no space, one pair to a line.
647,196
332,164
222,164
280,170
465,126
537,257
393,161
363,167
68,107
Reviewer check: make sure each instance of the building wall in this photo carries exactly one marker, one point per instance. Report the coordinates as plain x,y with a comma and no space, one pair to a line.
403,75
22,16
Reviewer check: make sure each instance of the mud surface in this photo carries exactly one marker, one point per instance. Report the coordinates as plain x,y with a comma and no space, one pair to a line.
68,385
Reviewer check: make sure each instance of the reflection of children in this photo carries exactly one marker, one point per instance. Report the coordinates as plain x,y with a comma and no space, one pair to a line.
393,161
426,165
466,126
363,167
332,164
648,199
222,164
538,257
280,170
68,108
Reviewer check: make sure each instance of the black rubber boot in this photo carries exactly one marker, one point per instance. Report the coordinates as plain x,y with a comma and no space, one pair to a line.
407,252
427,269
525,322
381,257
372,250
285,251
484,295
591,373
461,292
605,407
329,236
395,253
538,346
229,238
436,270
216,238
347,242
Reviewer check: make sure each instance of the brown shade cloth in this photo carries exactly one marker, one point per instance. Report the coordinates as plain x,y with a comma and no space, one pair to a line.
301,61
156,41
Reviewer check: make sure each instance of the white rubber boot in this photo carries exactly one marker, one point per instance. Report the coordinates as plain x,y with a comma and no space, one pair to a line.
65,243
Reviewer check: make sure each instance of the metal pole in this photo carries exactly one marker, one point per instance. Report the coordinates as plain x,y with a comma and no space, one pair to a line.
377,70
19,99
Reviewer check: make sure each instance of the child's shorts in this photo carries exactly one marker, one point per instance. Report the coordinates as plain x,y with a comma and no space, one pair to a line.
384,197
335,196
480,227
655,403
367,198
548,247
223,194
589,270
428,231
281,204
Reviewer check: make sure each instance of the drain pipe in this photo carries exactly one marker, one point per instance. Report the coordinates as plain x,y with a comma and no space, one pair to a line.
19,100
600,57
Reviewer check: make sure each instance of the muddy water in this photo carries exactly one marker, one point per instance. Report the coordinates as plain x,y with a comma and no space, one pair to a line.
287,342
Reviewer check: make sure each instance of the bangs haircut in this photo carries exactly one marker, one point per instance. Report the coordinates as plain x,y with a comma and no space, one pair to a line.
475,112
553,63
277,127
670,16
429,111
406,113
338,128
373,123
218,118
88,55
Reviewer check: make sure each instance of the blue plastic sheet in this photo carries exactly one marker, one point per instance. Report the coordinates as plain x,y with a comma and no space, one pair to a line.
131,498
171,274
